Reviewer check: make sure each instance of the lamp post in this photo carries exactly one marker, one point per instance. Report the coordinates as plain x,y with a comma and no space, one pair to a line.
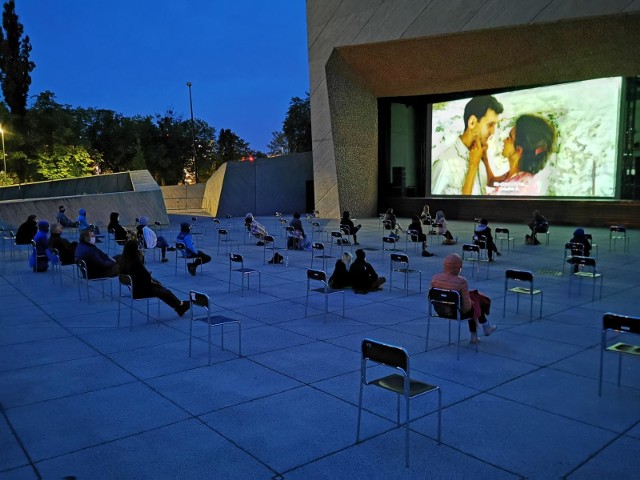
193,136
4,155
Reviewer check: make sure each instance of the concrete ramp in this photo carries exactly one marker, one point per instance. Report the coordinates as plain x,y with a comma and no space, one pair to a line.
132,194
262,187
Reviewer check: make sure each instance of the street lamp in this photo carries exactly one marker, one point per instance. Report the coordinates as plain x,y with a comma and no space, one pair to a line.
4,155
193,135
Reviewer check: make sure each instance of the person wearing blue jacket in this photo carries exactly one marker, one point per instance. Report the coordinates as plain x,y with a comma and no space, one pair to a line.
39,259
191,251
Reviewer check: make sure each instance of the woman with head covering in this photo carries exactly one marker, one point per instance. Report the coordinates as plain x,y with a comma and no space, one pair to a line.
257,230
443,228
450,279
190,250
144,286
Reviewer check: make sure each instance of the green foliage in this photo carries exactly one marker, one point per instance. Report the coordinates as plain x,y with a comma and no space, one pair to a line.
278,144
230,146
65,162
15,66
297,125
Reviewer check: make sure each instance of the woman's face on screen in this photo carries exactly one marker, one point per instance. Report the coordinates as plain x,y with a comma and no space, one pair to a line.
509,148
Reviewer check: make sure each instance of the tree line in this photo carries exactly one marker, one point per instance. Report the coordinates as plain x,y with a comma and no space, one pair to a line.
49,140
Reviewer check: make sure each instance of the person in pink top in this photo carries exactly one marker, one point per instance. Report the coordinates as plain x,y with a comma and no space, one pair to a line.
528,147
450,279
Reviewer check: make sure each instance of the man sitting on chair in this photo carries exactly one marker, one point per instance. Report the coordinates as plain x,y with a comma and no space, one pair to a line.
99,264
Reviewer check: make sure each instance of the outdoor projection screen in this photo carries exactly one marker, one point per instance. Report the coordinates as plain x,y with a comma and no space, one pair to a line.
582,162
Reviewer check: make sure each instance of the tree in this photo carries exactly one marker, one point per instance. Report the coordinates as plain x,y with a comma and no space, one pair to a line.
15,66
297,125
230,146
63,162
278,144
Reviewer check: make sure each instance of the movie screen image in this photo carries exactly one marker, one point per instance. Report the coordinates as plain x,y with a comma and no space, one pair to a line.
552,141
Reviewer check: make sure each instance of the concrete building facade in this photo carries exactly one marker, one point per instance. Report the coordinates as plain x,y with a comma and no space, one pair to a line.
362,50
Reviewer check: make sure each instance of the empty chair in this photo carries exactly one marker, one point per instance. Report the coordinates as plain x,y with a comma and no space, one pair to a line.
317,251
445,304
414,237
571,249
316,229
236,258
400,383
338,239
202,302
619,325
503,235
400,264
520,276
471,253
618,232
224,238
321,277
125,291
586,268
389,244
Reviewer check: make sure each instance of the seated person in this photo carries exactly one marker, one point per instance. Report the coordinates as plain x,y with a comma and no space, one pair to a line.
83,224
147,238
199,257
450,279
539,224
425,216
391,222
340,277
63,220
131,263
27,231
349,227
120,235
421,236
299,240
66,249
579,237
364,278
483,230
39,259
257,230
443,228
99,264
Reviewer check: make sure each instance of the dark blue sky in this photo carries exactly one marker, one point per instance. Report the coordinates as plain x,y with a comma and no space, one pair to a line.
245,58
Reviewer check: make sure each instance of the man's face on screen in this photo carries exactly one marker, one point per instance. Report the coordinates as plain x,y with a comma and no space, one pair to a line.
486,126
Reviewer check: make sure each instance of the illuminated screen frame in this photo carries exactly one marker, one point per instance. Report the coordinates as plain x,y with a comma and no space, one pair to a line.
583,162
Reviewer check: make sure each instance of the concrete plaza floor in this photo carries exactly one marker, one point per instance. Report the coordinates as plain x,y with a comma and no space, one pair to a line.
83,398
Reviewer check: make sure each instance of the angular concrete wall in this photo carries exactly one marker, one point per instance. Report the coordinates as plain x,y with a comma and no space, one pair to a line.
261,187
418,62
141,196
183,197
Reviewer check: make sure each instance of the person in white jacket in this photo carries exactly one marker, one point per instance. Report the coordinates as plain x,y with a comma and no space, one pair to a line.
147,239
